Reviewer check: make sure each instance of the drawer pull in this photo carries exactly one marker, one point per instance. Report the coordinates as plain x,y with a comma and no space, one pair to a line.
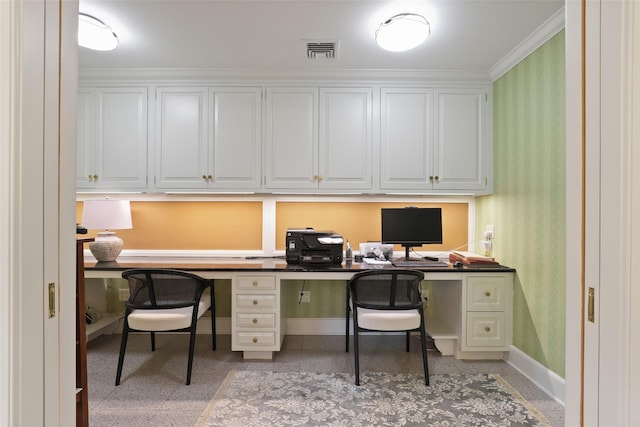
487,329
255,302
255,340
487,294
255,321
255,283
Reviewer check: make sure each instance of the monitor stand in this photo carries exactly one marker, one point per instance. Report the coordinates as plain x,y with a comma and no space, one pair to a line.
407,258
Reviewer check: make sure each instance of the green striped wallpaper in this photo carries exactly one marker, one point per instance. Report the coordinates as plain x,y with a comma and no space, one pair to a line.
528,204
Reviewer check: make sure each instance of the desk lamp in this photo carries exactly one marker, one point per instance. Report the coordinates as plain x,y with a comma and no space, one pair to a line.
106,215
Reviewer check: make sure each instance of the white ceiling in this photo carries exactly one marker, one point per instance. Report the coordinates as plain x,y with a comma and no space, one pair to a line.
468,35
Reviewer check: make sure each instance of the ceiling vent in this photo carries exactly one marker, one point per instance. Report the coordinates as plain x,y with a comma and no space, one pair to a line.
321,49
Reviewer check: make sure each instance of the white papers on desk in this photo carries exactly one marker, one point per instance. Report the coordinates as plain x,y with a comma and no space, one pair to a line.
373,261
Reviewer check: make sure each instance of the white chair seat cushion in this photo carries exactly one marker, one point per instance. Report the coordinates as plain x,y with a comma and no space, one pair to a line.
388,320
167,319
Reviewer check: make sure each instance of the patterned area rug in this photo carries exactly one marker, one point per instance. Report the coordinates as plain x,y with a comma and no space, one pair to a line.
254,398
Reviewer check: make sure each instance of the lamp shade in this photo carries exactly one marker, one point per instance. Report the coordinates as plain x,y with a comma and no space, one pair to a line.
95,34
106,214
402,32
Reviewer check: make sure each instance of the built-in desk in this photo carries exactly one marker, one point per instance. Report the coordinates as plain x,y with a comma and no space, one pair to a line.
469,315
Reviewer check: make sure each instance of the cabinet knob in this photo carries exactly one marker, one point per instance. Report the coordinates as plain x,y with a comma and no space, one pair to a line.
320,178
209,177
437,178
255,283
315,177
487,329
255,302
487,294
255,321
95,177
204,177
431,178
255,340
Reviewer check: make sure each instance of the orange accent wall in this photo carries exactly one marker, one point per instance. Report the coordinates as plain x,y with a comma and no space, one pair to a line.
191,225
359,222
219,225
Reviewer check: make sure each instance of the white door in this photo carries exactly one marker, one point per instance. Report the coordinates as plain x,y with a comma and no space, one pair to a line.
603,362
36,224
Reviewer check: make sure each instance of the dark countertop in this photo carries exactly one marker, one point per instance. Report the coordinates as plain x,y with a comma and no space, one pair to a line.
266,264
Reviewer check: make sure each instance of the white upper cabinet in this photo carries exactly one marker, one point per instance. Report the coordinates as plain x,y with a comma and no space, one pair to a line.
406,139
181,157
318,138
208,138
235,129
291,155
112,139
345,138
460,150
433,140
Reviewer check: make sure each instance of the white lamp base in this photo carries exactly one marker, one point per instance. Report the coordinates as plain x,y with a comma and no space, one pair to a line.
106,247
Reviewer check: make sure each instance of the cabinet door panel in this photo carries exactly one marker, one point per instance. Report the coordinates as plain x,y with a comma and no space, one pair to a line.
236,133
86,137
459,149
122,138
292,145
181,138
406,139
345,138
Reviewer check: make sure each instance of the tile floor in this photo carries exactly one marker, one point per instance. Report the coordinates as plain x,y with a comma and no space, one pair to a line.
153,391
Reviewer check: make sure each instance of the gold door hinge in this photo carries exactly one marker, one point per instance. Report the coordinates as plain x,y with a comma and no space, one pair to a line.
590,305
52,300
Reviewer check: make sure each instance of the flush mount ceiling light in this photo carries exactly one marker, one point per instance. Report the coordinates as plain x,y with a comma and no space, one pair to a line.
402,32
95,34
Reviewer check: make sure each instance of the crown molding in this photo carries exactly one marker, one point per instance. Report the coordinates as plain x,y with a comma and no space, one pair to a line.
282,76
541,35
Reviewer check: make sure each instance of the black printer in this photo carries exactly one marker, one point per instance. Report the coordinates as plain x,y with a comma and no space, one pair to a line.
305,246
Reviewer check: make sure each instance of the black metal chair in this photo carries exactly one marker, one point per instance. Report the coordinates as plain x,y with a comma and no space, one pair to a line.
163,300
386,300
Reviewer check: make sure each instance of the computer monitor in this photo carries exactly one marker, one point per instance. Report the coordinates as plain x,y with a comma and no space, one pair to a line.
411,227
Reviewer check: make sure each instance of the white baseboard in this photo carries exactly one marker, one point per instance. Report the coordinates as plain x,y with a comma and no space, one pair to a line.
547,380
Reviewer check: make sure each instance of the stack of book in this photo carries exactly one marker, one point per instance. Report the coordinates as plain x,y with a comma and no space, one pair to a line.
472,259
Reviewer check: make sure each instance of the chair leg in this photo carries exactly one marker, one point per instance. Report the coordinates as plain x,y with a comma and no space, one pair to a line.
212,309
213,330
123,346
356,354
408,340
346,315
423,344
153,341
192,342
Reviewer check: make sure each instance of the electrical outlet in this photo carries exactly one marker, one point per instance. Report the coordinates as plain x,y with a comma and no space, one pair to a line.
123,294
305,296
491,229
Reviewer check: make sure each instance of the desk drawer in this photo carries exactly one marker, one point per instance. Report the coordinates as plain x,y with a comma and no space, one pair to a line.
256,320
253,301
256,282
256,339
486,293
485,329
